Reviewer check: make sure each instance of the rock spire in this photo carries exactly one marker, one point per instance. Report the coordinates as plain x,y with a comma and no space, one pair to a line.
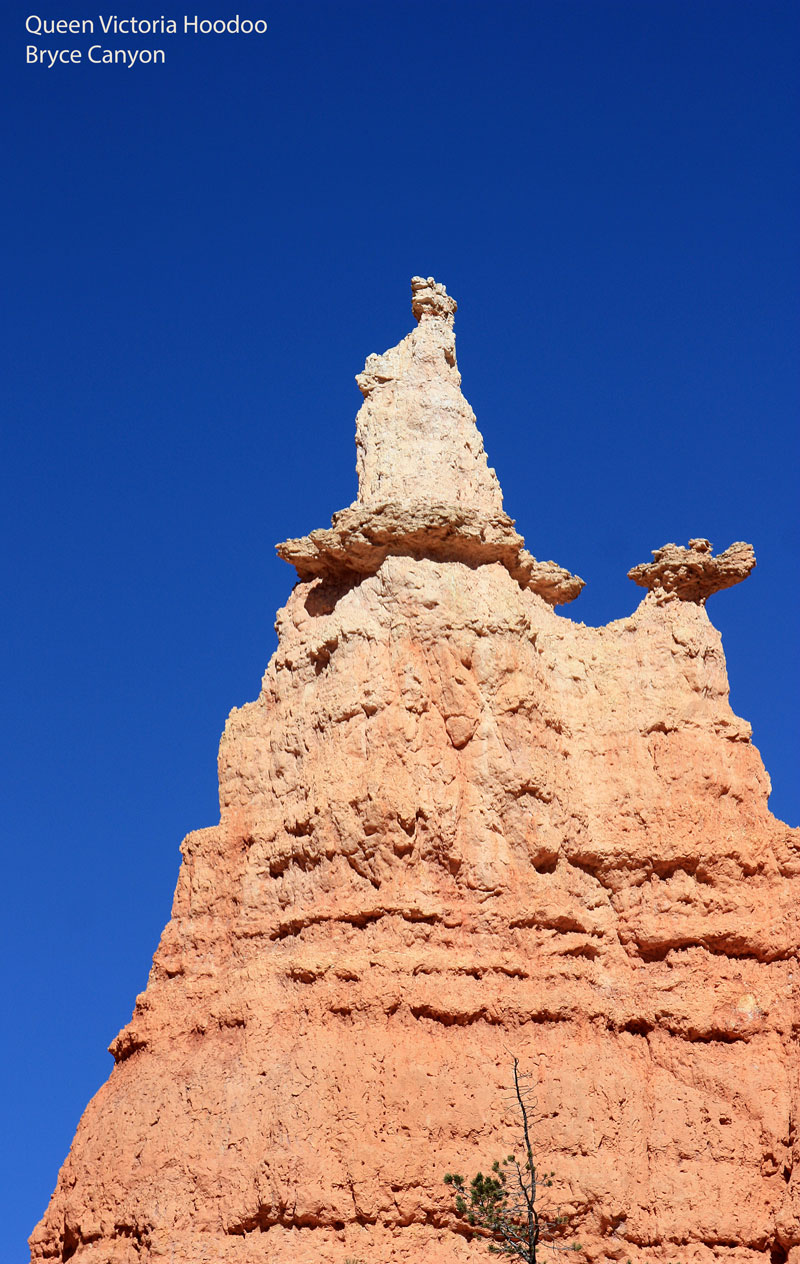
425,488
456,827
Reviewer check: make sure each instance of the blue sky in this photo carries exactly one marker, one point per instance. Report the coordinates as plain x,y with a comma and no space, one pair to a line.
201,255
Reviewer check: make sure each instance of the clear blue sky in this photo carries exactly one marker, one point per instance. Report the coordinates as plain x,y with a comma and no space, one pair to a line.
201,255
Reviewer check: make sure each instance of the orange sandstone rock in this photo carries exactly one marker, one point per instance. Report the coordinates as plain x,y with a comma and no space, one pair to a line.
456,826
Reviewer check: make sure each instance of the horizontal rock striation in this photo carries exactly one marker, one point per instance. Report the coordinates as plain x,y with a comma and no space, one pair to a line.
360,540
456,827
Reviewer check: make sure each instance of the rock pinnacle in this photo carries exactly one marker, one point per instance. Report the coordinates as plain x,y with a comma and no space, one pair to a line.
425,488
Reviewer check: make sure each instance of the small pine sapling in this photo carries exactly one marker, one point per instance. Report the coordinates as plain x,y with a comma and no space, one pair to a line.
505,1209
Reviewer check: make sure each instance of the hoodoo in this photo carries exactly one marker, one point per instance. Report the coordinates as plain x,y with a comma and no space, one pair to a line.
457,827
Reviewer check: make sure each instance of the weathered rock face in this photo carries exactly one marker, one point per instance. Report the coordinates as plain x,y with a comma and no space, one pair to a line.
456,827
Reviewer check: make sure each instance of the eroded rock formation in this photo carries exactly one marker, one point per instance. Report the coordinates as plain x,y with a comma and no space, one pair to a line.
424,487
693,574
456,826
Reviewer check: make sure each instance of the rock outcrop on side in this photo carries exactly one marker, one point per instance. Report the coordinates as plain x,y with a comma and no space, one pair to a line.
693,574
457,827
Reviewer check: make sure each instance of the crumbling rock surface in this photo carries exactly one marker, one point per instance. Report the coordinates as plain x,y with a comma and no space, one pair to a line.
693,574
456,827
